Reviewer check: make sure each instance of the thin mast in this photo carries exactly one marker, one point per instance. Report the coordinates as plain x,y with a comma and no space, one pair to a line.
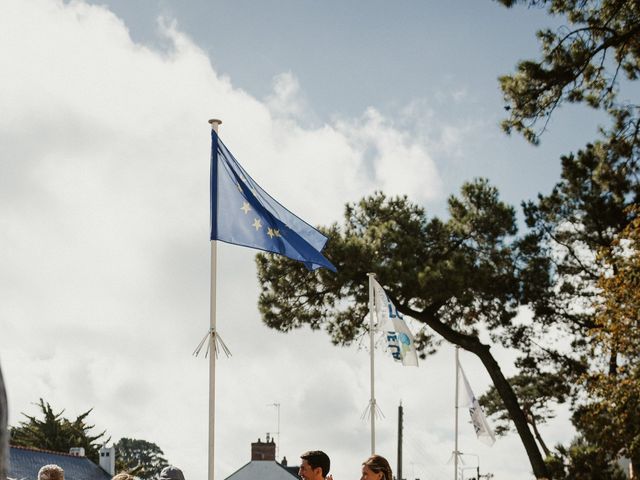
455,451
399,470
212,329
372,401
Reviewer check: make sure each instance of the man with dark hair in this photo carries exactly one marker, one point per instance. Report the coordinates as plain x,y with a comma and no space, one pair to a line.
315,465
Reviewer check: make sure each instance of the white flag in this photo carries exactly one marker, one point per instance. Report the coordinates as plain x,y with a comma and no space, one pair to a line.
399,339
479,421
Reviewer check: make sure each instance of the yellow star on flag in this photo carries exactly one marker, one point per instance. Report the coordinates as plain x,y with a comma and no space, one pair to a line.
257,224
245,207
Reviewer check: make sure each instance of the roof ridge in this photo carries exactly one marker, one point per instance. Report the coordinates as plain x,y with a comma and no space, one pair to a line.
33,449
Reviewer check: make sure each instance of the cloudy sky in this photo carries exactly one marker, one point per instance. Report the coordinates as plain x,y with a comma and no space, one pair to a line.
104,171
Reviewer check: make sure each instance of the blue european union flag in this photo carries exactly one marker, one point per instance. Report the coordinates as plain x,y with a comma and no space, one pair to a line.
244,214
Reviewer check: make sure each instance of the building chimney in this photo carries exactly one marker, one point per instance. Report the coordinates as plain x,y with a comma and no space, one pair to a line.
108,460
264,451
76,451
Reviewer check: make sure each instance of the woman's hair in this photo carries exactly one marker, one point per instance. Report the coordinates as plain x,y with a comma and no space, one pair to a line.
51,472
123,476
379,464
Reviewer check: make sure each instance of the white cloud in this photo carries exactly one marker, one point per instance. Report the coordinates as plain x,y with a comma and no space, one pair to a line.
389,154
459,95
104,224
286,100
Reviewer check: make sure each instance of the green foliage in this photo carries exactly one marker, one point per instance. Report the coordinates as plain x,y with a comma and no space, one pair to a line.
582,215
583,461
139,458
617,321
610,417
579,285
57,433
536,394
462,270
582,300
581,62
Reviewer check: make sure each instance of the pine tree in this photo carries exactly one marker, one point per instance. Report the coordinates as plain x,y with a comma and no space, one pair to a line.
57,433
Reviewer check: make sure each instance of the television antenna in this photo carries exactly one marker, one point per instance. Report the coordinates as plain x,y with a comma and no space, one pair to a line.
277,405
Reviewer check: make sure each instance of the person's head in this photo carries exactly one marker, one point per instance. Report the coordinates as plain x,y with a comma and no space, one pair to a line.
315,465
171,473
51,472
376,468
123,476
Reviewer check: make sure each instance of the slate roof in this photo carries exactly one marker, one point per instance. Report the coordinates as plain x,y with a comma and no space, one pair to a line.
292,470
24,463
263,470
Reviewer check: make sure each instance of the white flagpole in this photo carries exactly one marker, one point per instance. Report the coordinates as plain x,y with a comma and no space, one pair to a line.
372,402
455,451
212,350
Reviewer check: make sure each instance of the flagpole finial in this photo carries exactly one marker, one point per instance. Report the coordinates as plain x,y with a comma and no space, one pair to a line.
215,123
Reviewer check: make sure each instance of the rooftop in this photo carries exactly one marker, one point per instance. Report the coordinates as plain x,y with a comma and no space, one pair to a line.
24,463
263,470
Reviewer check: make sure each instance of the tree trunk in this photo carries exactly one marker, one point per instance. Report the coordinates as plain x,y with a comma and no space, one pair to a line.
613,363
472,344
513,407
536,433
